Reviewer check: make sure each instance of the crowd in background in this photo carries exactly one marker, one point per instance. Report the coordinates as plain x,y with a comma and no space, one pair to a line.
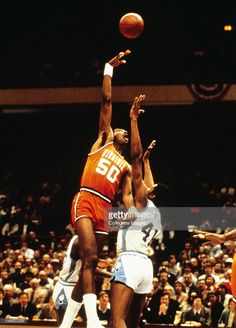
190,283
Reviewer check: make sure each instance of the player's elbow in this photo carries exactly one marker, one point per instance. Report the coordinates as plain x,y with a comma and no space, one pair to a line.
106,98
136,157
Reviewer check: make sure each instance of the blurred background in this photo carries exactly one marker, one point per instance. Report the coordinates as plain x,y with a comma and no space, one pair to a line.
66,45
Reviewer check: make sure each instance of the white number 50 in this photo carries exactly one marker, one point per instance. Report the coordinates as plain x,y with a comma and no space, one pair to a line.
104,168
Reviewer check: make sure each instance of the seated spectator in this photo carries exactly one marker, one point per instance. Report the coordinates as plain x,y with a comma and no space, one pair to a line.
210,284
27,279
187,281
174,305
197,313
24,308
103,307
27,252
224,295
48,311
17,277
208,271
201,289
180,296
4,305
215,306
171,276
228,315
174,268
37,295
163,314
11,295
32,240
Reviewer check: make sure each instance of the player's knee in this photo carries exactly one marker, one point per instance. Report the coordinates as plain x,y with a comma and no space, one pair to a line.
90,260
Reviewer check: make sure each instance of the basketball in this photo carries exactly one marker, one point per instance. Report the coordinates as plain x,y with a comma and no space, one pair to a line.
131,25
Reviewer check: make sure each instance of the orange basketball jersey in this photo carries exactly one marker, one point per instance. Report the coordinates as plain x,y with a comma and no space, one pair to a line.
103,172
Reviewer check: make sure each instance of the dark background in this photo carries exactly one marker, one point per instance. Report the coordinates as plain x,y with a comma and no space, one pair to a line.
53,44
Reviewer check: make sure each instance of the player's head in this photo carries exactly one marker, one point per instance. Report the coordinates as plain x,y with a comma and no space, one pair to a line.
121,136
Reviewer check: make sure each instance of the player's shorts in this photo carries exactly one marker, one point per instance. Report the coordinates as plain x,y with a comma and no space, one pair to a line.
86,204
62,294
135,270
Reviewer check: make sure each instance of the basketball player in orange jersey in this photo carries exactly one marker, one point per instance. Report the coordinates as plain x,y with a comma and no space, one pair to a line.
214,239
105,171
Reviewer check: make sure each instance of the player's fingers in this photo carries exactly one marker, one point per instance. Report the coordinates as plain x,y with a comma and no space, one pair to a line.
207,243
200,232
127,52
200,236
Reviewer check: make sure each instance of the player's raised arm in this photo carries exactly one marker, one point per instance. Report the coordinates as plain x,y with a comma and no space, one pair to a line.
106,102
139,189
148,176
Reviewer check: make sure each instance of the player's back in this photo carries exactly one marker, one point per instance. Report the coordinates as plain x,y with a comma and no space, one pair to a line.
71,267
137,235
103,171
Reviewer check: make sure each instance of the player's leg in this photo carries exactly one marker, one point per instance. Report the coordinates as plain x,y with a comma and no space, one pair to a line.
68,308
89,256
133,319
121,298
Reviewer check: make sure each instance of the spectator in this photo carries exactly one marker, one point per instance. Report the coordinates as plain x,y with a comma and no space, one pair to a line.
174,267
215,306
227,317
224,295
197,313
163,314
24,308
210,284
10,294
103,307
180,296
37,295
48,311
17,276
208,271
4,305
187,281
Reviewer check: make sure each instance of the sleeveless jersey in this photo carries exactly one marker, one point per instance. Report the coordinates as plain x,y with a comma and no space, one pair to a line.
137,235
70,268
103,172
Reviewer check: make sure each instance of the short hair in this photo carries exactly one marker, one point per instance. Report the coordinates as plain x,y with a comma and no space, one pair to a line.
103,292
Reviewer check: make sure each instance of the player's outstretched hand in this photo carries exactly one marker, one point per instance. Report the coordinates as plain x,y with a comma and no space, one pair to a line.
147,153
118,60
211,238
135,109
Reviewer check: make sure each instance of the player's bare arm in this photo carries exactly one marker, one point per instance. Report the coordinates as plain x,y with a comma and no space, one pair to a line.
138,186
127,196
148,176
105,133
214,238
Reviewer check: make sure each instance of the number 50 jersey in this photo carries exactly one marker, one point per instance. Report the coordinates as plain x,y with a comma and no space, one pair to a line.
137,234
103,172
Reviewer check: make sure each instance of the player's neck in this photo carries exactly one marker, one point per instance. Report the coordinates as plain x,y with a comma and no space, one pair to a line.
119,148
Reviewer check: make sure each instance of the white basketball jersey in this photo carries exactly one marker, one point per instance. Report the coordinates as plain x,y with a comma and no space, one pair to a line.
71,268
137,235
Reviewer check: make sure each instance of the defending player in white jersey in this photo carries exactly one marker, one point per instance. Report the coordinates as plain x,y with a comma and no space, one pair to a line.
133,274
68,277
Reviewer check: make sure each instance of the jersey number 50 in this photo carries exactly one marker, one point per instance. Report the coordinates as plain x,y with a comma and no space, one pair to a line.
104,167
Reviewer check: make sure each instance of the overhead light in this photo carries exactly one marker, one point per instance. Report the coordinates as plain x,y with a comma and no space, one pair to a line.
228,28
